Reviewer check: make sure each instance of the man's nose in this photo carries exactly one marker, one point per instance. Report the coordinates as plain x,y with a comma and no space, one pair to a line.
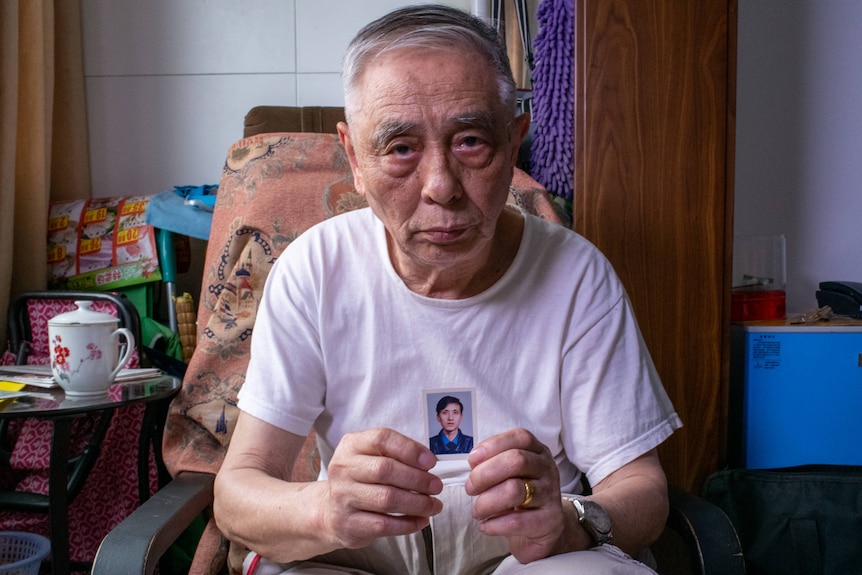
440,182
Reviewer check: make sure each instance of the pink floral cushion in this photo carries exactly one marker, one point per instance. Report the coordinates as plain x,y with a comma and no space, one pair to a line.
273,188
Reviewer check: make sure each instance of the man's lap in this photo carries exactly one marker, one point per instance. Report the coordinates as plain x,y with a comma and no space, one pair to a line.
458,548
606,560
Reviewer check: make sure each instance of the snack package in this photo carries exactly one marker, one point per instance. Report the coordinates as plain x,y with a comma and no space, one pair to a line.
101,244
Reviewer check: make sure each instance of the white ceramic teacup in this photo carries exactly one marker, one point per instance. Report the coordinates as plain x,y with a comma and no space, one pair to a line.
85,349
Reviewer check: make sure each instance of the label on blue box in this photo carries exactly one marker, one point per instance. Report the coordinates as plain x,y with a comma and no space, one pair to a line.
802,397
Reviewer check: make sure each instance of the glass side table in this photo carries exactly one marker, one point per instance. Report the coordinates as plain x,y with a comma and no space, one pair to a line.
64,480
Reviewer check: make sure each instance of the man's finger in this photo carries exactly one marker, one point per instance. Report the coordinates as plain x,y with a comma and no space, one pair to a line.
390,443
511,439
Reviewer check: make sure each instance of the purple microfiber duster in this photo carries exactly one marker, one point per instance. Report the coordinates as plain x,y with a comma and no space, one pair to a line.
553,147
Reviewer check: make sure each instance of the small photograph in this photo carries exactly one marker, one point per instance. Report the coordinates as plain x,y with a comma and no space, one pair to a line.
451,421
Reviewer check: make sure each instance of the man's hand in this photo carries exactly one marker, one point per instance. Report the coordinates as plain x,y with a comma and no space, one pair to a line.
500,466
379,485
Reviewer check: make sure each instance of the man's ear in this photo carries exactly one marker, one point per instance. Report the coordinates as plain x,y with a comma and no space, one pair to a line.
347,142
520,129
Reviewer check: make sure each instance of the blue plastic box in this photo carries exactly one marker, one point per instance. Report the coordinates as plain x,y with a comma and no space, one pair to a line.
795,396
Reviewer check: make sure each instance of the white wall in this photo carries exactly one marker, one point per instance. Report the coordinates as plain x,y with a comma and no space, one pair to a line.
168,82
799,136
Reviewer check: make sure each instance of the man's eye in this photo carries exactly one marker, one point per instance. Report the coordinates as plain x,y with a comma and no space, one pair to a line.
400,150
472,143
473,150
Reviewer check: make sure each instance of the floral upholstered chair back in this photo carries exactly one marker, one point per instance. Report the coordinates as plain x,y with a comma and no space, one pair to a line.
273,187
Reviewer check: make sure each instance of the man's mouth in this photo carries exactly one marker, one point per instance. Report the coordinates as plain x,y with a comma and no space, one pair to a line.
444,235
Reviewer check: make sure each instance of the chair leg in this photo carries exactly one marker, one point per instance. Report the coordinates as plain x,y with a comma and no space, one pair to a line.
152,428
58,508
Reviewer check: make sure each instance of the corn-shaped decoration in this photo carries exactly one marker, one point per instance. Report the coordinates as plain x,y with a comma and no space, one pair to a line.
186,324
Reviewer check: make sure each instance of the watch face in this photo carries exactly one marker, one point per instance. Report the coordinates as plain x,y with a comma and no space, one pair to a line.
594,519
597,517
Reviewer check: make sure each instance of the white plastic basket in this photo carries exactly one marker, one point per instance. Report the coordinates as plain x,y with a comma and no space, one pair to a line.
22,553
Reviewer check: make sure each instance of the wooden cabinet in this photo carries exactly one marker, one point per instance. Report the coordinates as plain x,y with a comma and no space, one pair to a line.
654,124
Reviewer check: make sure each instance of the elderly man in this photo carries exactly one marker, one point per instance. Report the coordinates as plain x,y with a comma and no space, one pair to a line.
439,285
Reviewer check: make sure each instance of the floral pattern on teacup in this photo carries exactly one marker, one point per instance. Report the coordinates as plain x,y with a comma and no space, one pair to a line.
61,354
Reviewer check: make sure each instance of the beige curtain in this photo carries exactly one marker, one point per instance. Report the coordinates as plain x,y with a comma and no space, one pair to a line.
44,152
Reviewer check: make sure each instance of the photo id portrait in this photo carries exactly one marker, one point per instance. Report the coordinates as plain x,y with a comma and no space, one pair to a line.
451,422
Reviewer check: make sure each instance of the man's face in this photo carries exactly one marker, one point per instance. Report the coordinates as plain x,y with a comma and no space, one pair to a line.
432,149
450,417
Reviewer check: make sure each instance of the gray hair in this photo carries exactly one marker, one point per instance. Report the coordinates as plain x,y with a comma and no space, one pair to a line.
427,26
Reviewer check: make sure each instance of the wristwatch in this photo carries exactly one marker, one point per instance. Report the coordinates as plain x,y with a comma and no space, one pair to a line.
594,519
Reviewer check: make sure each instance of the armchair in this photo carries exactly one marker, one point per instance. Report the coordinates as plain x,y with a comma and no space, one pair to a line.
273,187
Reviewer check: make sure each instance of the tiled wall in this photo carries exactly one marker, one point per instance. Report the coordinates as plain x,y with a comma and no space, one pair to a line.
169,81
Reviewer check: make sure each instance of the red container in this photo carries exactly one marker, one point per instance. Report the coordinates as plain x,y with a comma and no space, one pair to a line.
754,305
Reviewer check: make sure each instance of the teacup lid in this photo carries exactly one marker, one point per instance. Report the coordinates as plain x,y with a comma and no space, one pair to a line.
83,316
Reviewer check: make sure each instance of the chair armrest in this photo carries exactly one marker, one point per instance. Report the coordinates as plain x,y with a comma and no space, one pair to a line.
138,542
707,532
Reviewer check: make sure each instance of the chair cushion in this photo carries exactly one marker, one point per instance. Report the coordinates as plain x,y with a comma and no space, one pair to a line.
273,187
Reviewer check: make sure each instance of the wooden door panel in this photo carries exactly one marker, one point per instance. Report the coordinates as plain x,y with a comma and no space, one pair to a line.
653,182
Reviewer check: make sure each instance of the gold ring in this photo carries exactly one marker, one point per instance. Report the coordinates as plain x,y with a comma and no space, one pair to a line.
530,490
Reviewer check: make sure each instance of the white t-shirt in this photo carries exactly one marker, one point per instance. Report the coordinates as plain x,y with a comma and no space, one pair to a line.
341,344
